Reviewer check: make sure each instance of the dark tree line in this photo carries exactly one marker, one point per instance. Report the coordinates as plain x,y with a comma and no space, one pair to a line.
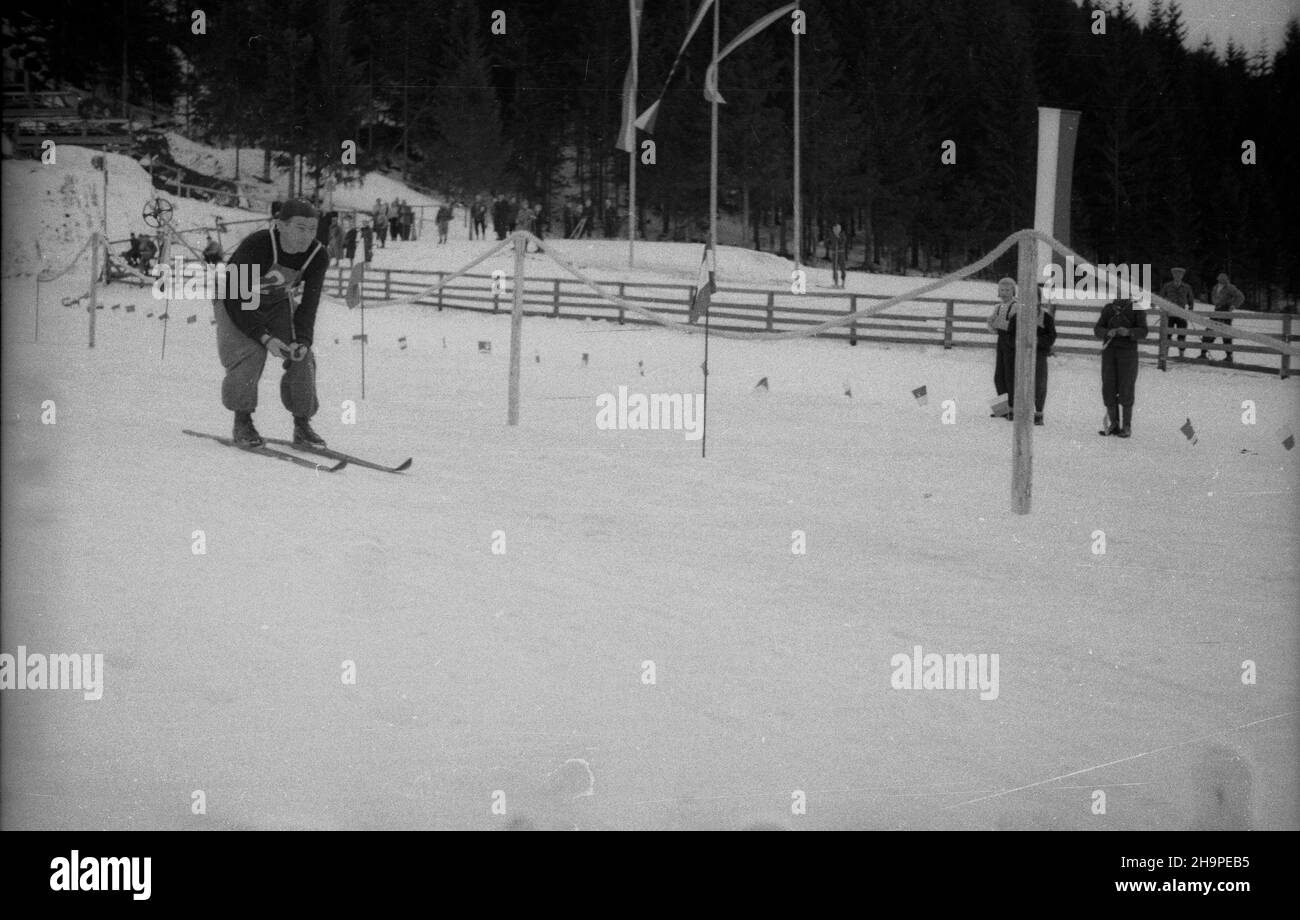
427,89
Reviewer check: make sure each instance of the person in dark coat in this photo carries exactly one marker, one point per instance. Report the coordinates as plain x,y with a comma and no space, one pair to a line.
350,244
1225,297
837,251
500,213
1043,346
133,253
1120,326
212,251
368,240
999,322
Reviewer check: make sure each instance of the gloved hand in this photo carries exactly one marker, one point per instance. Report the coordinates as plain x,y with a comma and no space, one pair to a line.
298,351
1122,332
274,347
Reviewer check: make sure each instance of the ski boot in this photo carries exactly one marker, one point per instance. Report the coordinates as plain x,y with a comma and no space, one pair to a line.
245,434
304,435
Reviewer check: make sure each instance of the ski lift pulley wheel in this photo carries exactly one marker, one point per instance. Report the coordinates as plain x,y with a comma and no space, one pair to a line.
157,212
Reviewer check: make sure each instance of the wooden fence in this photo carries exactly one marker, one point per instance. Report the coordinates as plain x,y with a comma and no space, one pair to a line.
949,322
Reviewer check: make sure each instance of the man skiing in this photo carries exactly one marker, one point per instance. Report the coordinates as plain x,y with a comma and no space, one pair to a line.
281,257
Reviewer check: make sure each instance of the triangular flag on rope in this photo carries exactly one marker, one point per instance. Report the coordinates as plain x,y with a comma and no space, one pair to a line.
919,394
711,75
627,129
761,385
192,319
1188,431
1287,437
705,285
647,120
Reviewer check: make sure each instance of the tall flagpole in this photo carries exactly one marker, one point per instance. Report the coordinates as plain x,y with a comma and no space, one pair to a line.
631,147
798,205
713,217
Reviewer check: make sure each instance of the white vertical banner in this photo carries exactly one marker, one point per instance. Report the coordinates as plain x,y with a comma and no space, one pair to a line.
1058,129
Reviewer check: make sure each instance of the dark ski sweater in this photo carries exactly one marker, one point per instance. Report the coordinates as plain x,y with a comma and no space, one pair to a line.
1120,314
255,255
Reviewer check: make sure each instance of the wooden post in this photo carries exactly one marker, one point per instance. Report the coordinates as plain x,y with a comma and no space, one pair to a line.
388,281
771,298
1022,434
440,274
1285,371
555,294
853,326
362,307
620,297
516,329
1162,352
94,284
948,313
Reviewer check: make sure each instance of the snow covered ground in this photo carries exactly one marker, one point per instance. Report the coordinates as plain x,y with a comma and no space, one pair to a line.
524,676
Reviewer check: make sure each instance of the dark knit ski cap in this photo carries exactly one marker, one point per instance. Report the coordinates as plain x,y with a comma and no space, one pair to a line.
296,207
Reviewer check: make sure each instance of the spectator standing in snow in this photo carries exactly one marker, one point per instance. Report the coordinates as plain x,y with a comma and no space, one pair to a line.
1119,327
999,322
500,214
379,216
368,240
1225,298
444,221
350,242
837,251
478,219
1179,293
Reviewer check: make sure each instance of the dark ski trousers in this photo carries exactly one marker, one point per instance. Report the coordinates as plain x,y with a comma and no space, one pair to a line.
245,359
1007,362
1119,374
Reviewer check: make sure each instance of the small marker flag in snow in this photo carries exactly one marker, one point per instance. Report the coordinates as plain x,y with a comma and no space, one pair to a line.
705,285
761,385
584,359
640,365
1000,405
192,319
537,358
1287,436
921,398
354,285
1188,431
116,306
848,390
364,339
148,316
401,341
484,348
130,308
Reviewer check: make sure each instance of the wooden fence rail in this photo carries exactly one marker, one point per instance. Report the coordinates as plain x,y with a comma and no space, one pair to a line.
949,322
